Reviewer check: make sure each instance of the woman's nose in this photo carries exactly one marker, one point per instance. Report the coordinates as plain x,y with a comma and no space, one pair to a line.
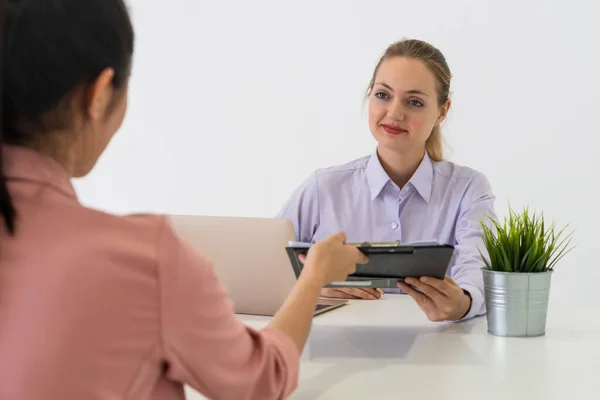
396,112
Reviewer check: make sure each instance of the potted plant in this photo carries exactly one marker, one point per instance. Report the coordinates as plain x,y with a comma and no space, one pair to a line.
522,254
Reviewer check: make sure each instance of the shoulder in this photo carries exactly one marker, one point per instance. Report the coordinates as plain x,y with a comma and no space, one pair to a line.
142,226
461,182
305,201
460,175
149,239
341,173
134,237
152,230
333,176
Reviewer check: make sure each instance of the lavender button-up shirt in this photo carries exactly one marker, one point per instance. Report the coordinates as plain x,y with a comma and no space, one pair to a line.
442,202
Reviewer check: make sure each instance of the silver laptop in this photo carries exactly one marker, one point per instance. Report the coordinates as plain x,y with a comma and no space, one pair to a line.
249,258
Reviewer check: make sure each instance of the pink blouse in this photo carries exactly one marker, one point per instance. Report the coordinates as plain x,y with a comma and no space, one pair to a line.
96,306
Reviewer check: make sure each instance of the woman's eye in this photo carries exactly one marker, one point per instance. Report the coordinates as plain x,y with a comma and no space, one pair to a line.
381,95
415,103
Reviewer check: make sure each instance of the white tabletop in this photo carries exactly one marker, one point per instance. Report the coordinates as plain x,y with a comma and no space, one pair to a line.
388,349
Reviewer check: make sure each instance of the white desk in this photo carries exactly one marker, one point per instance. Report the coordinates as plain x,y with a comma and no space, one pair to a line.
387,349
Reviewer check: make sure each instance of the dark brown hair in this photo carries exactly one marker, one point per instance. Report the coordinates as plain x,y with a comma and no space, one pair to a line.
48,50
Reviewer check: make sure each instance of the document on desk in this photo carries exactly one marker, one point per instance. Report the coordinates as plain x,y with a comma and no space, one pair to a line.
389,262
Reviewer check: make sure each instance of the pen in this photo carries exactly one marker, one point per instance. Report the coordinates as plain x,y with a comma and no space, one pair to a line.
379,290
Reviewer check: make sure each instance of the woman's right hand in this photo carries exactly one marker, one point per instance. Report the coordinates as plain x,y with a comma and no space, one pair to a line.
328,260
331,259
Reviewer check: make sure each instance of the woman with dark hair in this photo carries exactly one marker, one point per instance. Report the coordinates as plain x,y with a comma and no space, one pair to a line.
96,306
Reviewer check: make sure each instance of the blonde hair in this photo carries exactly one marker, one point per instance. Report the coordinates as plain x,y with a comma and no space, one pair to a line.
436,62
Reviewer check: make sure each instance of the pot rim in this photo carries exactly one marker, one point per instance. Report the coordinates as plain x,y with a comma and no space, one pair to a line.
487,271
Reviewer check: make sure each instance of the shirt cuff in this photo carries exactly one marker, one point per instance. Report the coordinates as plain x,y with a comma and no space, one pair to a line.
290,354
477,302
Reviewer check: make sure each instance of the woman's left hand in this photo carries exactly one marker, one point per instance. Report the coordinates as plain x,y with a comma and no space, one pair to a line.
441,300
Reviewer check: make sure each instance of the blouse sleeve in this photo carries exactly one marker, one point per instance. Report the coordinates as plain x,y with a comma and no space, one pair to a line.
302,208
477,206
204,345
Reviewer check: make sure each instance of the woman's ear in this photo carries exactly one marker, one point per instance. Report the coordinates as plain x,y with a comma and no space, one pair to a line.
443,112
100,94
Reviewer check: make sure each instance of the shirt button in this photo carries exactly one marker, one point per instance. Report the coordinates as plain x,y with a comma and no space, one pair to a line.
394,225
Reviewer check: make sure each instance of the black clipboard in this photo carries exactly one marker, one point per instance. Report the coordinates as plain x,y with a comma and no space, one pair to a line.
388,263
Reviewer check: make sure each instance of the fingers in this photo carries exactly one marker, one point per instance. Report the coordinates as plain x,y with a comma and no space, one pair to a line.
335,293
361,293
339,237
430,309
351,293
450,281
361,257
302,258
420,298
372,292
430,291
443,286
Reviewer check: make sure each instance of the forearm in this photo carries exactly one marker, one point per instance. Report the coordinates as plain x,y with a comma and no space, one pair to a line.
294,318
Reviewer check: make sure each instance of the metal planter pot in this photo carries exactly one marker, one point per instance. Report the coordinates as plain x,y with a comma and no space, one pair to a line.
517,303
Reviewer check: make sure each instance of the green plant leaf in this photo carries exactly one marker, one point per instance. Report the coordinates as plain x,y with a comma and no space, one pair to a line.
523,242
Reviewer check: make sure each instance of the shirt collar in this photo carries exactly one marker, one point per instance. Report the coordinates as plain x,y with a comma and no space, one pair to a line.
421,180
20,163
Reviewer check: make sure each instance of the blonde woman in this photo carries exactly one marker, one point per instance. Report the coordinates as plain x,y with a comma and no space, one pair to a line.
405,191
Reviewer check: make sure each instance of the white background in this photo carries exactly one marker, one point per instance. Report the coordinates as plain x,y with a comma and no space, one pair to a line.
234,103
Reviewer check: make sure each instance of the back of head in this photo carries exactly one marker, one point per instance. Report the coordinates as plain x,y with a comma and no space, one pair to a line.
49,50
436,63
